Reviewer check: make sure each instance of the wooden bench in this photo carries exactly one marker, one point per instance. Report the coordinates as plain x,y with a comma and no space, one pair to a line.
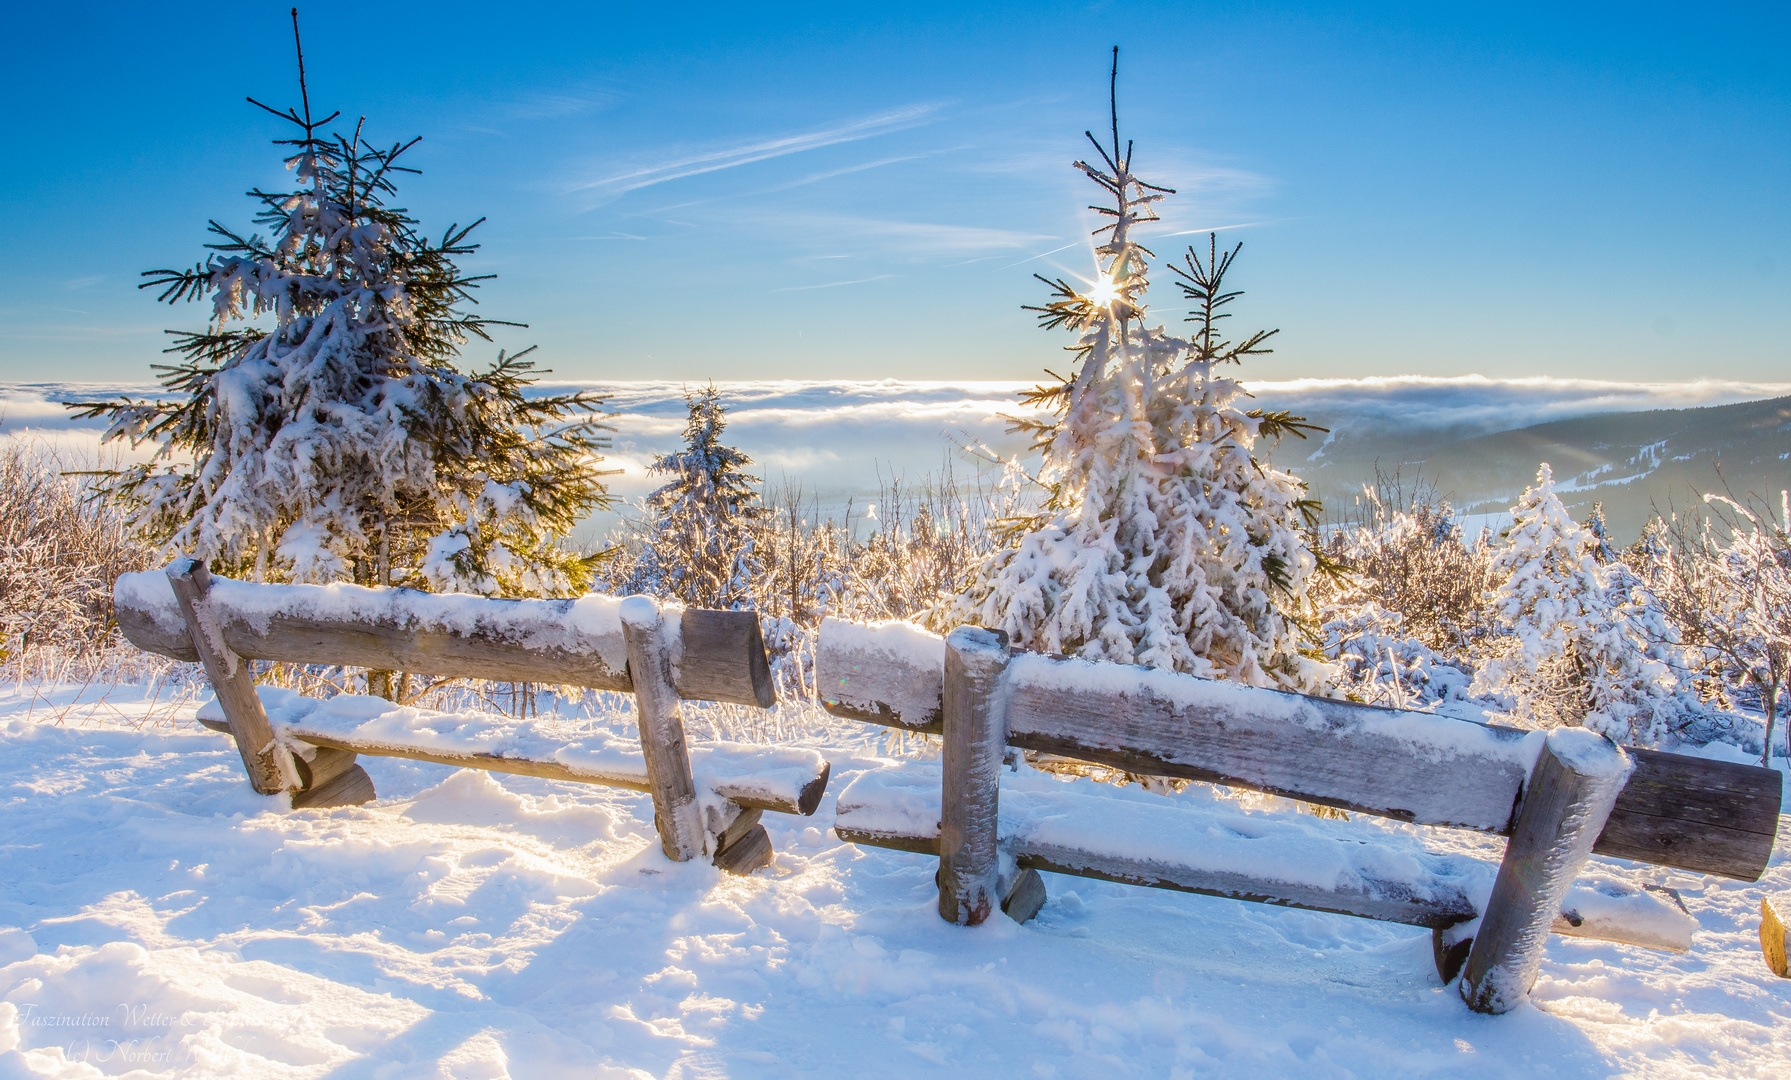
307,748
1559,796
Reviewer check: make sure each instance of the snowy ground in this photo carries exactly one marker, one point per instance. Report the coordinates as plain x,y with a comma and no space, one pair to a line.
161,920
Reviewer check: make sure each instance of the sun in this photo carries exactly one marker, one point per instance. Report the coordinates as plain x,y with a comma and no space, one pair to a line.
1103,292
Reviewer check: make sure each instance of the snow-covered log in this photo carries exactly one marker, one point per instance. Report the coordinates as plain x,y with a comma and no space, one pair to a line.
788,781
675,811
1708,816
269,767
1570,794
1091,830
975,741
716,655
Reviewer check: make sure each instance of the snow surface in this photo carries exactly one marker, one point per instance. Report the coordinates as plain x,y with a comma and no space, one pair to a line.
479,926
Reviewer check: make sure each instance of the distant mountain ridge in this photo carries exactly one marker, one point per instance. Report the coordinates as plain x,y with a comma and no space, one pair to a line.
1632,462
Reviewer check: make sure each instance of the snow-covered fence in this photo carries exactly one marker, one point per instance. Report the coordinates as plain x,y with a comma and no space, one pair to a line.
308,748
1559,796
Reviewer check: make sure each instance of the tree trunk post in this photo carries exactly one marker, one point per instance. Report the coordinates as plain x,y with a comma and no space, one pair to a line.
268,764
974,715
1565,804
676,814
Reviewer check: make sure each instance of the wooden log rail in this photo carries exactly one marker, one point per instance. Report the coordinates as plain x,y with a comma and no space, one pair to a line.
1712,817
308,749
1559,796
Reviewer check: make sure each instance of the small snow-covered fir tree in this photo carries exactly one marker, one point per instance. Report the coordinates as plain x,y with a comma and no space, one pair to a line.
702,547
1587,642
1164,540
339,441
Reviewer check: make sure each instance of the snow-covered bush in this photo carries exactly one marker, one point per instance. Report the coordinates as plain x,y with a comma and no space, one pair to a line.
1582,642
1405,551
1164,540
338,440
1375,659
1400,617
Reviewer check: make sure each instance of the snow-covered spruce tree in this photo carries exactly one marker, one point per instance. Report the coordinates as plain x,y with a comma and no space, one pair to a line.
702,544
1163,541
1586,643
340,441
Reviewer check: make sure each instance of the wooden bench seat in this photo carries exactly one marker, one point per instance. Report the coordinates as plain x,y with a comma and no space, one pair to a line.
1087,829
706,802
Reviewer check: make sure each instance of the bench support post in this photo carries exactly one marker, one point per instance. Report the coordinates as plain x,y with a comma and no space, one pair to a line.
975,740
1569,795
676,815
267,763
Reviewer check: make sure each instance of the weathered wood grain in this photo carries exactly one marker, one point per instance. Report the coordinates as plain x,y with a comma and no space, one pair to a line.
746,853
731,834
318,765
269,766
722,656
1711,817
707,664
352,787
1571,793
675,811
1715,817
1025,896
974,741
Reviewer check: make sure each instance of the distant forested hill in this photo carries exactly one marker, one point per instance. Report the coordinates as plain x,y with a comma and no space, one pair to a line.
1630,461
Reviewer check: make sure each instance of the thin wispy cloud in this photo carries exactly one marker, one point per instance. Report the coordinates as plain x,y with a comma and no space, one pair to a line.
1043,254
1217,228
920,237
832,284
813,178
729,157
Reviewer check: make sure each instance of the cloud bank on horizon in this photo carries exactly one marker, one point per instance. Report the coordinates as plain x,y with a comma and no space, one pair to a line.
839,439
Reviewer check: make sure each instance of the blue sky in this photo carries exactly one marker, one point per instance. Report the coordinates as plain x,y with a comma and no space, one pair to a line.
739,192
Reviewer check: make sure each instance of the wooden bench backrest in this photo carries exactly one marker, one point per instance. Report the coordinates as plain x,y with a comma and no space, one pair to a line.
560,642
1709,816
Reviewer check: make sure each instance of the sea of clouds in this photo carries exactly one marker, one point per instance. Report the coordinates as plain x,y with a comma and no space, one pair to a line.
845,440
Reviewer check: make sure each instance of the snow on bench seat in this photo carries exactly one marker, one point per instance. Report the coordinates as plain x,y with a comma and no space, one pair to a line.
1090,830
789,781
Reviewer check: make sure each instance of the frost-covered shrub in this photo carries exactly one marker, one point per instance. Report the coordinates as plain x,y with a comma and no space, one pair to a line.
1164,540
1405,551
1725,584
59,554
337,439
